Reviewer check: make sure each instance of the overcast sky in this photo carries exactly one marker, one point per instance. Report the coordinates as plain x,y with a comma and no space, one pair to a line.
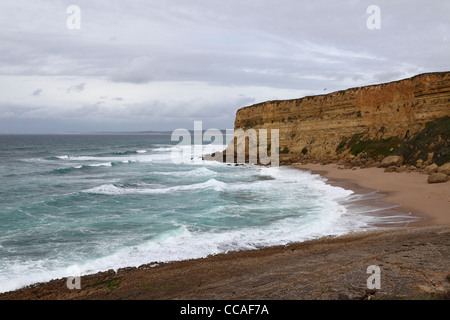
159,65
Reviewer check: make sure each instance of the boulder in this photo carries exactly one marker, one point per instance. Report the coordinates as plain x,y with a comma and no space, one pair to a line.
402,169
419,163
391,161
429,158
432,168
375,164
437,177
445,168
390,169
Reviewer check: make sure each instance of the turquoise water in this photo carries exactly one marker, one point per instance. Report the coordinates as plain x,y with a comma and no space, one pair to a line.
78,204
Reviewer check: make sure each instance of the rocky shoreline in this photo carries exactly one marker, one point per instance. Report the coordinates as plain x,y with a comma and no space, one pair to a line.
414,264
436,174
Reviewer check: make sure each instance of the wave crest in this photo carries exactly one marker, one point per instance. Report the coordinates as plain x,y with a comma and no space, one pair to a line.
118,189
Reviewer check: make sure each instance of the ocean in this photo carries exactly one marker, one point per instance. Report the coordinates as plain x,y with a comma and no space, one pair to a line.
77,204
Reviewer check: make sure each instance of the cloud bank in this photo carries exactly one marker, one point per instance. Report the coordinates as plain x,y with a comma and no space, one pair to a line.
152,65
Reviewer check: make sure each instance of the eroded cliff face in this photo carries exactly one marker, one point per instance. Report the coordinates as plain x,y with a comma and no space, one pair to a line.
322,127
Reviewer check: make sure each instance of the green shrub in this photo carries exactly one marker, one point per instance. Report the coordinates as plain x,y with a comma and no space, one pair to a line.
341,146
375,148
285,150
435,137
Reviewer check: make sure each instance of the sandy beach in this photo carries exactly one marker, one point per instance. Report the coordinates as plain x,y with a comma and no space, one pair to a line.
409,189
414,260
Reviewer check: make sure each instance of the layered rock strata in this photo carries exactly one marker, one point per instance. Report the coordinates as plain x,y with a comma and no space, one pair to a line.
326,127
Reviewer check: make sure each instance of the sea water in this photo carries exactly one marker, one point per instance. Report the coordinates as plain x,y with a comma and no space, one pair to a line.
72,205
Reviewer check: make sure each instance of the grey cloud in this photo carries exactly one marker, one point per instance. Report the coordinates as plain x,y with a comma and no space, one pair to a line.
14,110
199,108
36,92
76,88
387,76
288,44
138,70
239,43
193,109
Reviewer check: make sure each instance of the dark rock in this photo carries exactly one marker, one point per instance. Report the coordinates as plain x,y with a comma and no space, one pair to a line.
437,178
445,168
391,161
432,168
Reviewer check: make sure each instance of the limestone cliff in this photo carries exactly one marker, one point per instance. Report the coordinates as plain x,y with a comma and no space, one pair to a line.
327,127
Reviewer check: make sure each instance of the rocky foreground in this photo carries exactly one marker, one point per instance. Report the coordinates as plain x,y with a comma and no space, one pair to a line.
414,263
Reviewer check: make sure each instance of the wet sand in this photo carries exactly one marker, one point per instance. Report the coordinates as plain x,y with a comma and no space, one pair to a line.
408,189
414,260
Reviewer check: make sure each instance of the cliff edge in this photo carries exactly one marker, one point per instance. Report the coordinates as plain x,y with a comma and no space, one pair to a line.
364,123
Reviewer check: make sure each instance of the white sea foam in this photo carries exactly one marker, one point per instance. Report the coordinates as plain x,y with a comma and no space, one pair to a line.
281,204
163,153
180,244
92,165
165,149
198,172
97,158
139,157
104,164
325,215
111,189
